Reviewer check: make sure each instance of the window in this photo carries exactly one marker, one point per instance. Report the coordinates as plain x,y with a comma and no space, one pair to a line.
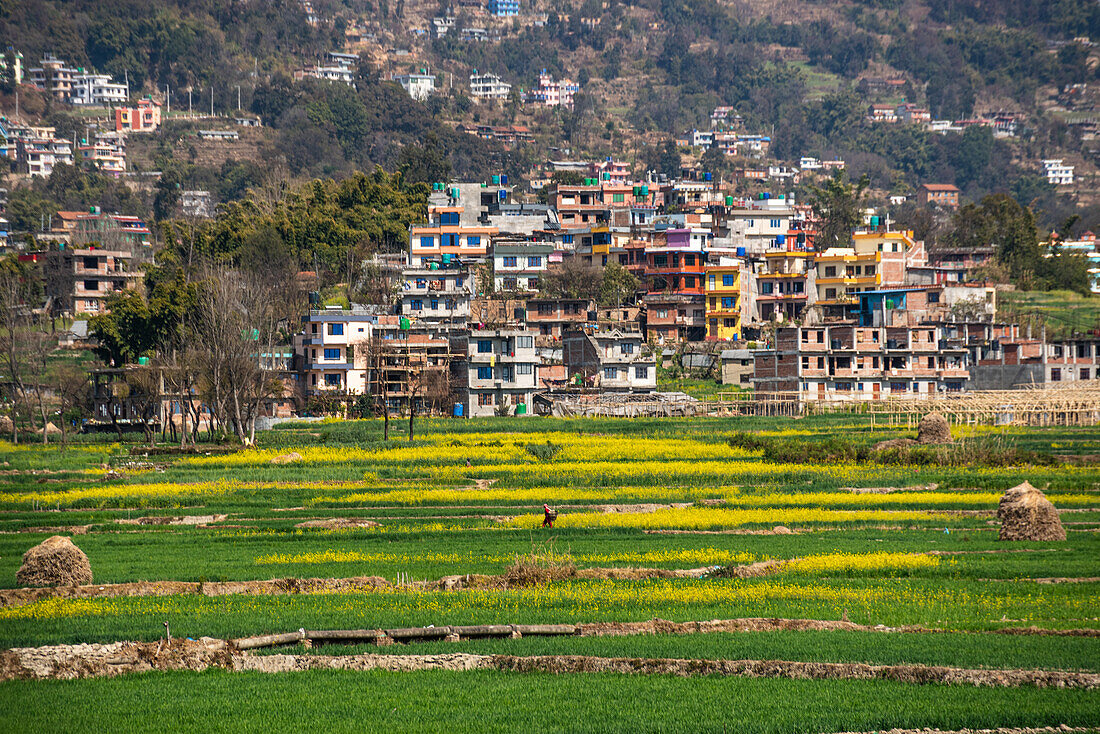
485,398
830,271
641,373
618,198
627,348
710,281
485,373
830,293
797,287
435,304
332,380
766,288
509,284
775,223
427,241
689,259
662,313
933,297
507,373
449,218
332,355
567,239
610,373
534,261
689,281
869,270
91,285
525,369
416,304
729,302
525,342
728,279
336,329
1055,374
533,284
1084,373
509,261
313,328
931,362
473,240
729,323
91,263
484,346
421,283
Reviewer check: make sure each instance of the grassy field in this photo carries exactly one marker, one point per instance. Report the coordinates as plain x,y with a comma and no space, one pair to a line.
1063,312
465,498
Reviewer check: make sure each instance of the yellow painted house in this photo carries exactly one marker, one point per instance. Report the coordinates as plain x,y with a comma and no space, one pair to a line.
723,298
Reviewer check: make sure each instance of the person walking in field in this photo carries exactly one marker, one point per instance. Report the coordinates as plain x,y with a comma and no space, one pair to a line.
548,516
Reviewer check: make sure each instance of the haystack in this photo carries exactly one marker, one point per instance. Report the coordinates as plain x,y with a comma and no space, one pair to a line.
54,562
6,426
52,430
1026,514
933,428
287,458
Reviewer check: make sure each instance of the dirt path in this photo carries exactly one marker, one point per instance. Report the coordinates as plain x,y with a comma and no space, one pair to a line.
84,661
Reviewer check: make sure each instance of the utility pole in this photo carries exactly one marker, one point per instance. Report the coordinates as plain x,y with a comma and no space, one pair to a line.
168,100
238,98
189,111
211,100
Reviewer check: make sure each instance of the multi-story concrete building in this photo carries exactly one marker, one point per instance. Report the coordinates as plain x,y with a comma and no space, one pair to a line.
106,156
614,359
502,371
98,90
489,86
552,317
877,259
447,238
723,299
503,8
142,117
334,350
1057,173
437,294
40,154
844,362
419,86
550,93
517,266
53,76
942,195
79,280
758,227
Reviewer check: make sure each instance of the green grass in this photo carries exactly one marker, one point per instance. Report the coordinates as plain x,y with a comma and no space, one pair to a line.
953,649
489,701
1063,312
952,604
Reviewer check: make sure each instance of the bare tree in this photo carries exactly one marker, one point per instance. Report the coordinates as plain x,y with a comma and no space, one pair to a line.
14,320
73,395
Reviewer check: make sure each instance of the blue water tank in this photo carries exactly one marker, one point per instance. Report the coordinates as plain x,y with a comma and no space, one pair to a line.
503,194
503,179
708,176
767,195
740,252
459,410
781,239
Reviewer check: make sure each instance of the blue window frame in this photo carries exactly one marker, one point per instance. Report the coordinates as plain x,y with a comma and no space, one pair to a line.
728,302
611,373
332,380
473,240
449,218
336,329
509,261
534,261
727,279
485,373
416,304
484,346
435,304
628,348
427,241
567,239
331,354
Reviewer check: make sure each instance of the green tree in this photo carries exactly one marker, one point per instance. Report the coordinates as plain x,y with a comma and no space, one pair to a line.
837,205
617,286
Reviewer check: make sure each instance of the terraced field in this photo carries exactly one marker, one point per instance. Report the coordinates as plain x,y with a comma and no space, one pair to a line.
793,591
